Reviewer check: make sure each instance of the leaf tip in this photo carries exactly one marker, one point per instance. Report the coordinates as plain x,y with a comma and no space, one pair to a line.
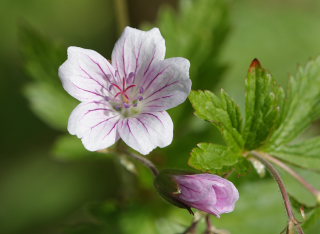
254,65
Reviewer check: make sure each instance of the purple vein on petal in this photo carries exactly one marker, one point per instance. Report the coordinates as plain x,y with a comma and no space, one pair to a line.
163,87
87,90
143,124
159,98
91,78
137,61
115,124
154,52
99,66
153,116
103,121
158,74
96,109
123,60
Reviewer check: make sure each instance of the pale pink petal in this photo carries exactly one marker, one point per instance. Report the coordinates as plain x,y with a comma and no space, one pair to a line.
95,123
86,75
136,51
167,85
147,131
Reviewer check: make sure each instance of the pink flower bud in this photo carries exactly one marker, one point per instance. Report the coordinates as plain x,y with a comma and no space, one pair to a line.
210,193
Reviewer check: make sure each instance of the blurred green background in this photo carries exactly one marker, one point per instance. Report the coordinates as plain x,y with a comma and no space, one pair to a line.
50,184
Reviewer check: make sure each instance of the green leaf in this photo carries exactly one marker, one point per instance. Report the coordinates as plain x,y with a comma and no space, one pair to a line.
197,32
263,101
312,224
210,157
304,154
222,112
46,96
71,148
302,105
50,103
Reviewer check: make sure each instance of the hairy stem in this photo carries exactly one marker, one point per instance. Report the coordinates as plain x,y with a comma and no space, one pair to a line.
283,190
294,174
145,161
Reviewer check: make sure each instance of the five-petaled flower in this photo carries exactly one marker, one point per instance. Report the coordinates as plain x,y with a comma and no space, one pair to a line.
125,99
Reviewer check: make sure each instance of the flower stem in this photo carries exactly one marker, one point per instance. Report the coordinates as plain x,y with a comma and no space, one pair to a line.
283,190
145,161
294,174
121,14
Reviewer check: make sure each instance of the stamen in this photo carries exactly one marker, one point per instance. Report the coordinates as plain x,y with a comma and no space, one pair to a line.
126,105
141,90
140,98
107,98
110,87
130,77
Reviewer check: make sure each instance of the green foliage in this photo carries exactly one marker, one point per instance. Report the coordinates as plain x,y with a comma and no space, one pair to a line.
312,225
273,119
212,158
263,102
46,96
222,112
197,32
302,104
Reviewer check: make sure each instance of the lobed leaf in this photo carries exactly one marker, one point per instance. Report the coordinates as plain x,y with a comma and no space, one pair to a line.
301,106
263,102
222,112
211,157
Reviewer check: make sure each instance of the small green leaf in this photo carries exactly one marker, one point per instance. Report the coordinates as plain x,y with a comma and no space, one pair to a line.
211,158
302,105
222,112
263,101
50,103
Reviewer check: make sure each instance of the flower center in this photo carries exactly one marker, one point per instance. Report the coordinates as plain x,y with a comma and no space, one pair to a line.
126,95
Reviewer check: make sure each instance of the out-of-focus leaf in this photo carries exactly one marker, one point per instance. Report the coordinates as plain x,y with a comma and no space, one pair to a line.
263,101
210,157
47,97
302,104
304,154
222,112
312,224
197,32
70,148
50,103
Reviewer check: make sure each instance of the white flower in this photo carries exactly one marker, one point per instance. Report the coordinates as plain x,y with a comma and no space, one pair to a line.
128,97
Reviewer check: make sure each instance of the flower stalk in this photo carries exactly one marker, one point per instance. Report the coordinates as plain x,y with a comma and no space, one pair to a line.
283,190
144,161
294,174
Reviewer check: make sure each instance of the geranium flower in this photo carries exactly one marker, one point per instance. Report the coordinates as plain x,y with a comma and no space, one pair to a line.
128,97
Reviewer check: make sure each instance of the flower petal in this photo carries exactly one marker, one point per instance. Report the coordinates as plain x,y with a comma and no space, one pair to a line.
147,131
137,50
167,85
86,74
95,123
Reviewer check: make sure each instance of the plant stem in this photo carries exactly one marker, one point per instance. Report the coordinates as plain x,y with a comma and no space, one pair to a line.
145,161
121,14
294,174
284,193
